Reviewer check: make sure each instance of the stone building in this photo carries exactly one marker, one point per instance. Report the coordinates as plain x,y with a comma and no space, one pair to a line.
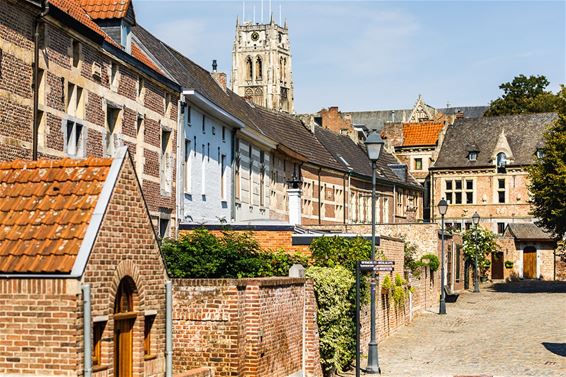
80,269
261,65
76,83
482,167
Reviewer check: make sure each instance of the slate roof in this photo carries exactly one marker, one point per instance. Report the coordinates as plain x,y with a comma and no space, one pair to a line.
469,111
374,120
105,9
421,134
354,156
523,133
528,232
45,209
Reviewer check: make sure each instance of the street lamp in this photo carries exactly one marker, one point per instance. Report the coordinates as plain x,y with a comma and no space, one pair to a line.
442,208
374,144
476,221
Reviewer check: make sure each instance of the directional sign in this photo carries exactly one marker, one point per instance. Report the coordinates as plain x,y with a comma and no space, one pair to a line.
383,268
368,265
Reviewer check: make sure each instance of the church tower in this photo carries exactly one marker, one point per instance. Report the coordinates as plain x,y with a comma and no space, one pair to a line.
261,65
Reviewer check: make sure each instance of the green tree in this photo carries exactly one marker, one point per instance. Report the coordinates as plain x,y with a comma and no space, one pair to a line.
480,242
548,179
525,95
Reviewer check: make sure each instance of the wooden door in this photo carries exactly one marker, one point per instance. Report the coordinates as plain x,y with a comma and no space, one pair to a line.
123,343
529,263
497,265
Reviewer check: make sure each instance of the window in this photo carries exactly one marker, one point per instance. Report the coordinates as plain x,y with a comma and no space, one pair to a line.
456,193
147,326
112,120
203,170
501,190
472,156
500,228
249,68
188,166
165,167
203,124
167,103
386,210
74,138
97,331
262,186
75,103
400,198
163,227
189,116
223,133
258,69
223,177
237,178
418,164
76,53
540,153
501,160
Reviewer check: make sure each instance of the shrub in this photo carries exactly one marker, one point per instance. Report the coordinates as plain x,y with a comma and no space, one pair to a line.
433,262
386,285
340,251
200,254
399,290
337,330
410,253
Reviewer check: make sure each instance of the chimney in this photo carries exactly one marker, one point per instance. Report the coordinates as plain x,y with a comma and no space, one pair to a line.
219,77
459,114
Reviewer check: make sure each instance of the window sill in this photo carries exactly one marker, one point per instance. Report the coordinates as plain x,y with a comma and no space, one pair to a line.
149,357
99,368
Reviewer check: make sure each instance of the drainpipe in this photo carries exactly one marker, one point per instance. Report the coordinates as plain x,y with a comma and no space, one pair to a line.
168,329
35,131
86,331
319,198
394,202
233,175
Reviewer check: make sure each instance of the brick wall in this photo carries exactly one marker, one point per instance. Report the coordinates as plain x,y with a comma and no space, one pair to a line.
245,327
16,99
126,246
38,326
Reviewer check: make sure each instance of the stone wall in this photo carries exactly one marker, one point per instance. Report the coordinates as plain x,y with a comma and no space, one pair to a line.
246,327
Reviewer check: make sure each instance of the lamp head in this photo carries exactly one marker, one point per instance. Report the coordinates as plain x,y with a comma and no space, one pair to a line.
442,206
374,144
476,218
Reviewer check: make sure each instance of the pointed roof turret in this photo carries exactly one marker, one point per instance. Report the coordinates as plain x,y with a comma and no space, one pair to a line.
502,146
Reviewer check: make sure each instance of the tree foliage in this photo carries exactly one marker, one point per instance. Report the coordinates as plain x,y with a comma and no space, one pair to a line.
525,95
334,251
201,254
332,286
548,179
480,242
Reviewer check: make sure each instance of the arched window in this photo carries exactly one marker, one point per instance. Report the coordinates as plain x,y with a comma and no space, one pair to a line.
501,160
258,69
258,97
281,69
249,68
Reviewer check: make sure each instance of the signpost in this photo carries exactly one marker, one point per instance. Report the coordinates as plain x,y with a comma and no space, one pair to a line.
367,266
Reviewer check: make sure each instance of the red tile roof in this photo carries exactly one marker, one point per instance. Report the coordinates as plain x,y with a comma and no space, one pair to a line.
104,9
142,57
45,209
421,134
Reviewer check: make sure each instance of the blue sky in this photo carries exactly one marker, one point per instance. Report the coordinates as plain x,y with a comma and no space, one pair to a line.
368,55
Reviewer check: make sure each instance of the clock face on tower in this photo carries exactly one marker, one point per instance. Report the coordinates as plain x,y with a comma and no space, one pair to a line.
255,36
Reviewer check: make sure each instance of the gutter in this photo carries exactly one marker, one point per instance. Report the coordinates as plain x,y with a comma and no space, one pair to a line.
36,23
206,104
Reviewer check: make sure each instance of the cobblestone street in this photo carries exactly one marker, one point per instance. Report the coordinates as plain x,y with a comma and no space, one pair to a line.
515,329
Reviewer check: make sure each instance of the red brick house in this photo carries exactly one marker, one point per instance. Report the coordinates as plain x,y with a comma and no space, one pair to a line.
79,259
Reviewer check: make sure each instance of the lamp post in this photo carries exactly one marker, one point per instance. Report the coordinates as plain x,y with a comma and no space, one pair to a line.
476,221
374,144
442,208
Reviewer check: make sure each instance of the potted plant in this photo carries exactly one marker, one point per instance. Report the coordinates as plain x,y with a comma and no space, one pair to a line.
431,261
386,285
508,264
484,267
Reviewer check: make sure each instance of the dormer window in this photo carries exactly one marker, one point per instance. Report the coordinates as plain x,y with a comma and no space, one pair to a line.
125,38
501,160
540,153
472,156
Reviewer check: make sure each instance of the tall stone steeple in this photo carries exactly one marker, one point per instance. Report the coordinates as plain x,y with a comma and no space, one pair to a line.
261,65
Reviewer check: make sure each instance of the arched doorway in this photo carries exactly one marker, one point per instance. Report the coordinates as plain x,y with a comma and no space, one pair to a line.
530,262
124,318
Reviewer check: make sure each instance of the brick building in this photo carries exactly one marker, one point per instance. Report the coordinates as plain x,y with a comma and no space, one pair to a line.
79,225
482,167
75,82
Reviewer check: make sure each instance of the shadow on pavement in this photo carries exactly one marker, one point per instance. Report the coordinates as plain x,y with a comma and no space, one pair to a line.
530,286
556,348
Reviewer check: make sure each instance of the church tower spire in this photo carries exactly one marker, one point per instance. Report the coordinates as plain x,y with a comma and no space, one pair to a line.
261,65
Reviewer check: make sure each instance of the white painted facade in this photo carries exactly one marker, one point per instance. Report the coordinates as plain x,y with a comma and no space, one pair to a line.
206,145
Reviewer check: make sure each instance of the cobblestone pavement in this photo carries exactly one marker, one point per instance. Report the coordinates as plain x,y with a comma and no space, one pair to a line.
513,329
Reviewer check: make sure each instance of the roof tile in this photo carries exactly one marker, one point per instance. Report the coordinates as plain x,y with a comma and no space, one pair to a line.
421,134
105,9
45,209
